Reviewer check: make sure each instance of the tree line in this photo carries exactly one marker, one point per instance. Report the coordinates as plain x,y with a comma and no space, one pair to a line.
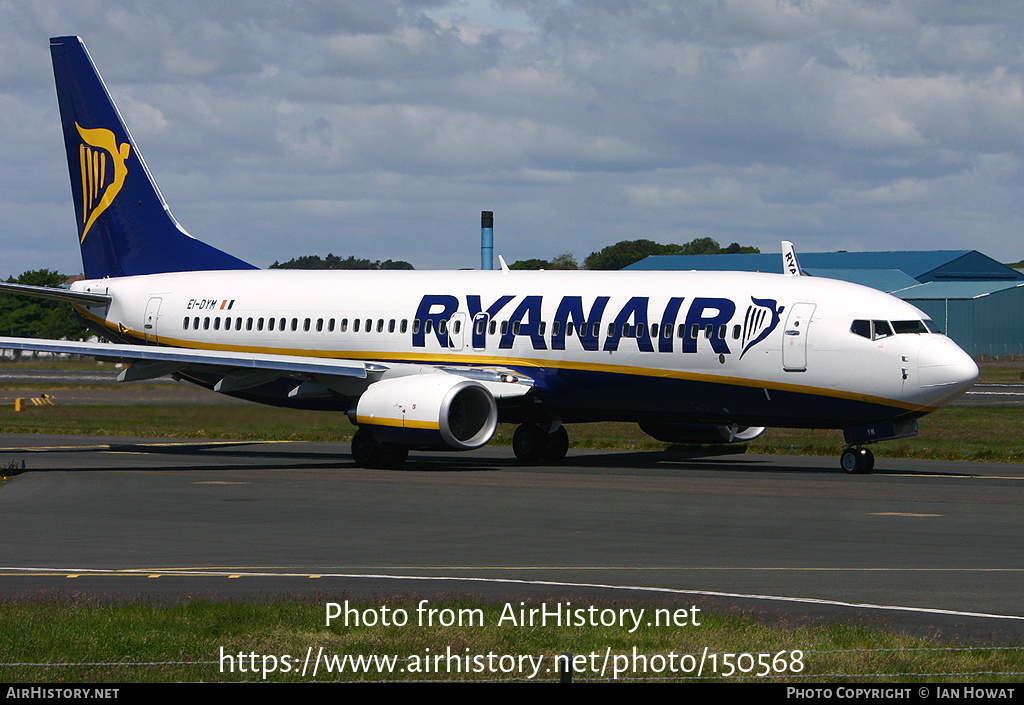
622,254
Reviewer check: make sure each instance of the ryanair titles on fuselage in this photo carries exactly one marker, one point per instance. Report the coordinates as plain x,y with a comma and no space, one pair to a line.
712,316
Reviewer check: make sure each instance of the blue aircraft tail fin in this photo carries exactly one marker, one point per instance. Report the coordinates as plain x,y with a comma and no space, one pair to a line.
124,225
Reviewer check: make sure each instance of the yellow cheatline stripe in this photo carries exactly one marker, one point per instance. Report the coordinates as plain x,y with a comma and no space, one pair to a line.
398,423
448,359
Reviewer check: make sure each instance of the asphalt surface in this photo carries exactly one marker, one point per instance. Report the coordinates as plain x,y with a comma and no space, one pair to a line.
926,547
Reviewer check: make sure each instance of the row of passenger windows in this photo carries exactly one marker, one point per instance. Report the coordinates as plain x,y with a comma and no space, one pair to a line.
283,324
876,330
379,325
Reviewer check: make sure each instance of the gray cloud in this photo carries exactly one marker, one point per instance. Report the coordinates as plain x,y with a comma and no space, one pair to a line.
382,128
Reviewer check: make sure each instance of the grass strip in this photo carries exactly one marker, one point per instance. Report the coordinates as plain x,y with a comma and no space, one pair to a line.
65,640
953,433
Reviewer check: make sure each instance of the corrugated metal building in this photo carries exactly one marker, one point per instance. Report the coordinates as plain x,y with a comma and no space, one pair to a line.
974,299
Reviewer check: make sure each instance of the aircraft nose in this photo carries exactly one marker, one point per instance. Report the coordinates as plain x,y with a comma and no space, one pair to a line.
944,369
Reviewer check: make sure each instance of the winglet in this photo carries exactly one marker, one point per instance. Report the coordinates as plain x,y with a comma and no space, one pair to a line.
790,264
504,265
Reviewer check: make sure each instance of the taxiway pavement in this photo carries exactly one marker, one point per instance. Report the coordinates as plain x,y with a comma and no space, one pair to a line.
925,546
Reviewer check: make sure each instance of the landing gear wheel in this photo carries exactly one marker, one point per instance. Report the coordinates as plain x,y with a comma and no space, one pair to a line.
528,443
857,461
556,445
368,453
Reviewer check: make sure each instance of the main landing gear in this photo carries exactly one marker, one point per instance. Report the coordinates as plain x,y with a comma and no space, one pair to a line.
368,453
532,444
857,461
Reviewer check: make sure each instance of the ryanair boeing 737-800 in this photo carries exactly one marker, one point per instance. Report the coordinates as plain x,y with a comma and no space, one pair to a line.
432,360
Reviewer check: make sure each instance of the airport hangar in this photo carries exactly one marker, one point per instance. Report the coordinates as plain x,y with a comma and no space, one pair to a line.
972,298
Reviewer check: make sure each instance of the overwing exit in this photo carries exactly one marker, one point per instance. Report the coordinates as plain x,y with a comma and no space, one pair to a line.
434,360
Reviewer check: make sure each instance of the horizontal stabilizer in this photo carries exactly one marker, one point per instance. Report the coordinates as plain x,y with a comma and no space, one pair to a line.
84,298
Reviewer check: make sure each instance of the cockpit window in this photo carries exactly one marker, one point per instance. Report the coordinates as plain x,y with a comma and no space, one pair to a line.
876,330
882,329
909,327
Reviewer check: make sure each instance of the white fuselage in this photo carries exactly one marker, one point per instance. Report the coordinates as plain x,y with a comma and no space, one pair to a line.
715,346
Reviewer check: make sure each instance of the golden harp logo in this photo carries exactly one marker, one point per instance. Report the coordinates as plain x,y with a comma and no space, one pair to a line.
101,182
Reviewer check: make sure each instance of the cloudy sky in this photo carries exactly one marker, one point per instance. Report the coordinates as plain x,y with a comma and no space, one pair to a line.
381,128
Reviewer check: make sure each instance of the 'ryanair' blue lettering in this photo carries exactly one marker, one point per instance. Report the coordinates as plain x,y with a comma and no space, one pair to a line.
706,317
635,309
569,317
475,310
668,324
696,320
427,312
530,310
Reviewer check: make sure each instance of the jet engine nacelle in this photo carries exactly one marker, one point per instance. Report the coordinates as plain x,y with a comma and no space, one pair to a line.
701,433
428,411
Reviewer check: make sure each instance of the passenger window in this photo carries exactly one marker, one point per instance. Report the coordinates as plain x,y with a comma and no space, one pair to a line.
404,326
185,323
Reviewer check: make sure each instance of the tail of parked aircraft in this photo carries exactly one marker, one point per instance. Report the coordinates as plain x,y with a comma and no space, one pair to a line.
124,225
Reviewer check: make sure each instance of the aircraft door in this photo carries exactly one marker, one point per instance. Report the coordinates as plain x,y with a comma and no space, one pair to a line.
152,316
794,340
480,321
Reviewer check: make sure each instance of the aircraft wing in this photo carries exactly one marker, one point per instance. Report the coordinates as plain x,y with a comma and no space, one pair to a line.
246,369
155,361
